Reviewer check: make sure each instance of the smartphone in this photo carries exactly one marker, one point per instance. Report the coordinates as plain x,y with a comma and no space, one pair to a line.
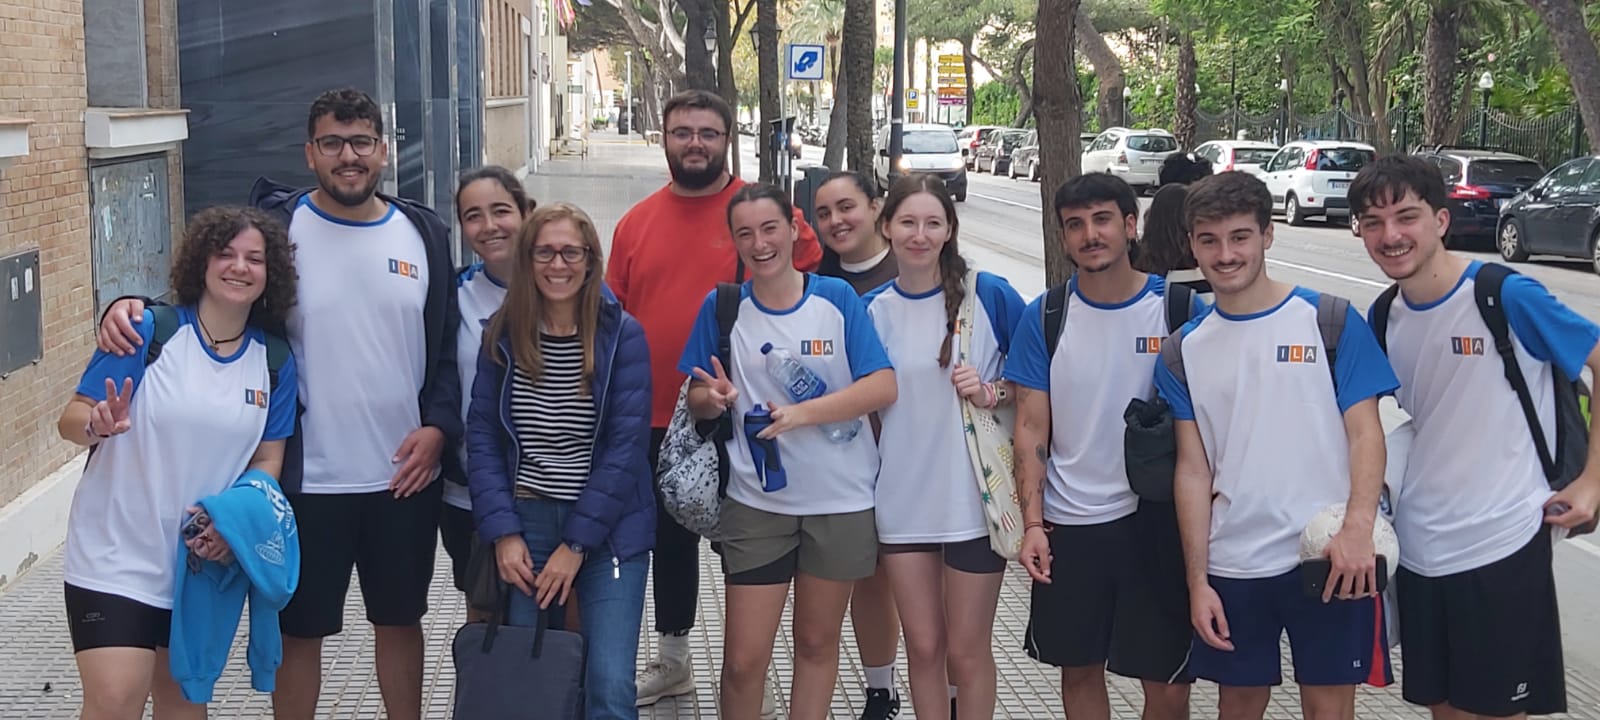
197,524
1314,575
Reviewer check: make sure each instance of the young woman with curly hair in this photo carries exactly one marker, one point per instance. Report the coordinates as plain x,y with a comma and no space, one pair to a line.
165,432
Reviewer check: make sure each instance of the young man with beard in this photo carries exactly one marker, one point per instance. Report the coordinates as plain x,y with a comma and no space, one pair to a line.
1121,606
667,253
1480,633
1270,432
373,334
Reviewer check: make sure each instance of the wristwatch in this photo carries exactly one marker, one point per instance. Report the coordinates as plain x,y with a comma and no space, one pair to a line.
576,547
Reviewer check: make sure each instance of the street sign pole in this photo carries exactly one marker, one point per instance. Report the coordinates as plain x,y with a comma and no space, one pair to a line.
897,102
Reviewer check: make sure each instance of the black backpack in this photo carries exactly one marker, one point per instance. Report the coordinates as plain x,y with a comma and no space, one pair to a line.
1571,394
1179,299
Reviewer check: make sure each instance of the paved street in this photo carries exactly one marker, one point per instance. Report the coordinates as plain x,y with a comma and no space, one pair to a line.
1000,232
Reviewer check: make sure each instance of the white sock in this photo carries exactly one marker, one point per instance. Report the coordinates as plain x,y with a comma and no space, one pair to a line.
952,692
675,650
881,678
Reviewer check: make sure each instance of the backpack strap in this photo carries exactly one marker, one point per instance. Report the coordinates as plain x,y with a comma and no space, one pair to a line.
721,433
1172,355
166,322
1180,305
1486,291
278,353
1332,311
1379,317
1055,316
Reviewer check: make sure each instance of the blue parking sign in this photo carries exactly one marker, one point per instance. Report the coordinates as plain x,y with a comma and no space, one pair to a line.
805,62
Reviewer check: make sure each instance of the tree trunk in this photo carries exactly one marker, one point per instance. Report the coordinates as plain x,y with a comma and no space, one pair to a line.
767,61
1440,45
699,69
1576,48
722,10
1059,110
860,39
833,155
652,103
1107,68
1184,126
966,65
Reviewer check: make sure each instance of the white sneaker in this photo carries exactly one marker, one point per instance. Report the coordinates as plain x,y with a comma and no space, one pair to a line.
662,680
769,701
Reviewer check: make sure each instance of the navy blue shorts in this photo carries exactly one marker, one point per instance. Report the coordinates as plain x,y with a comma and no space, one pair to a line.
1342,642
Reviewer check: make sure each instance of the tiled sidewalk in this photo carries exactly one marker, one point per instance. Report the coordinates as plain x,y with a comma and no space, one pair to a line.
39,681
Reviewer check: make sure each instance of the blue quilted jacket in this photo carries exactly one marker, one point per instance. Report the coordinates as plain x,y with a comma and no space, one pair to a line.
616,513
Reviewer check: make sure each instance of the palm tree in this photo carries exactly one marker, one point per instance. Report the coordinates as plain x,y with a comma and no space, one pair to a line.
1059,110
821,19
858,45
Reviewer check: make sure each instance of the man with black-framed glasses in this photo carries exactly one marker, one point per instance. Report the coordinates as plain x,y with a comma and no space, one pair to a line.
374,334
667,253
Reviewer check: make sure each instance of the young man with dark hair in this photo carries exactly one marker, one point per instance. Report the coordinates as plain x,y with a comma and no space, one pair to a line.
1122,605
373,334
667,253
1480,633
1274,424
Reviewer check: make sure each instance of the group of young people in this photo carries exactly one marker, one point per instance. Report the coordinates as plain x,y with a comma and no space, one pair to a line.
538,384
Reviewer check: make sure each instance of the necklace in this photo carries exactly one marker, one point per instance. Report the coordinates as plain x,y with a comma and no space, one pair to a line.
212,341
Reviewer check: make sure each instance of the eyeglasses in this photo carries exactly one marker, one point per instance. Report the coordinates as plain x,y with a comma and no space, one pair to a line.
333,145
706,135
571,254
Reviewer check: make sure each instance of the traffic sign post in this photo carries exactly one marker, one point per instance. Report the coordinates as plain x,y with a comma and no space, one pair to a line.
802,62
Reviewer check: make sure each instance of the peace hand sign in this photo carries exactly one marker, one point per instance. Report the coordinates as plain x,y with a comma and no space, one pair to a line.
723,393
110,416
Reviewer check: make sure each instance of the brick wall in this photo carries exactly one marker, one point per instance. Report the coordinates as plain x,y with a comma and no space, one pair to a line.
44,204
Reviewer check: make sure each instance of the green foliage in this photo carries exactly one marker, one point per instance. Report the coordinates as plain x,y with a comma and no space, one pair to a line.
995,104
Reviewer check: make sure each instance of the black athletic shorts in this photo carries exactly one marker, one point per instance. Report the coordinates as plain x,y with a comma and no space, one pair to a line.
968,556
390,543
1118,597
96,620
1486,641
456,528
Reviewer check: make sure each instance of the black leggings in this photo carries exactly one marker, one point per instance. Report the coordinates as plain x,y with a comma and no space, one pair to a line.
675,572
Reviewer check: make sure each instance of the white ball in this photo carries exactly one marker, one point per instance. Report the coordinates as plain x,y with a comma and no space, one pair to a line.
1324,525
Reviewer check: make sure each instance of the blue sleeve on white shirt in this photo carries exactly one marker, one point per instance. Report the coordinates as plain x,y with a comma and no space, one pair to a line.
861,344
1004,306
1360,369
106,365
1026,363
284,402
702,345
1551,331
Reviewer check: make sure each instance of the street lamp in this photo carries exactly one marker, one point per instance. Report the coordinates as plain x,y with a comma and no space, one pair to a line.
711,39
1127,97
1405,110
1486,84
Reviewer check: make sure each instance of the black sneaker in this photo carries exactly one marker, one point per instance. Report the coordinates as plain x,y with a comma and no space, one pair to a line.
881,705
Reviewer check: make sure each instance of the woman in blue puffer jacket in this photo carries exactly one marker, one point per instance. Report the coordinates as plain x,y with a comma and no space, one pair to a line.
557,437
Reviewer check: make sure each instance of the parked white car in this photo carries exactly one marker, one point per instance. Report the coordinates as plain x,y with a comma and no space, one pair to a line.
1133,155
1312,177
1242,155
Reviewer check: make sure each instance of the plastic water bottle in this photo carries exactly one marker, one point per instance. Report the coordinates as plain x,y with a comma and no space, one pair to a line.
802,384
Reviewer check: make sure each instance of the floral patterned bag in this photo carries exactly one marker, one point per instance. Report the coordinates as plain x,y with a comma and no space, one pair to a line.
989,444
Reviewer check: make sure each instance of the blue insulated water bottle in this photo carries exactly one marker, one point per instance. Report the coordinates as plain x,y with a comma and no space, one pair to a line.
763,452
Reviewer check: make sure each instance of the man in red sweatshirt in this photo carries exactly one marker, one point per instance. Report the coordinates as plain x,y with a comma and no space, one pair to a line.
667,254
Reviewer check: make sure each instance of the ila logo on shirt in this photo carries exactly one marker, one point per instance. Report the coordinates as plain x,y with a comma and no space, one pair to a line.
816,347
1297,354
1146,345
1466,346
257,398
403,268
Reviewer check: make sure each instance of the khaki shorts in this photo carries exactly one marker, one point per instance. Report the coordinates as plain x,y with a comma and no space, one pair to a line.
763,548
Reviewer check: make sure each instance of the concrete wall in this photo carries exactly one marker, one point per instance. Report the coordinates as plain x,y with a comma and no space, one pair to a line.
505,136
44,204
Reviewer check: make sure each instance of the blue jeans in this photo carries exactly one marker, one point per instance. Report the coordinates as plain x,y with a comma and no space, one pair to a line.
610,599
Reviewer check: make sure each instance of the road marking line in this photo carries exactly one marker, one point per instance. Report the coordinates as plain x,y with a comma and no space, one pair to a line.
1012,203
1274,261
1328,273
